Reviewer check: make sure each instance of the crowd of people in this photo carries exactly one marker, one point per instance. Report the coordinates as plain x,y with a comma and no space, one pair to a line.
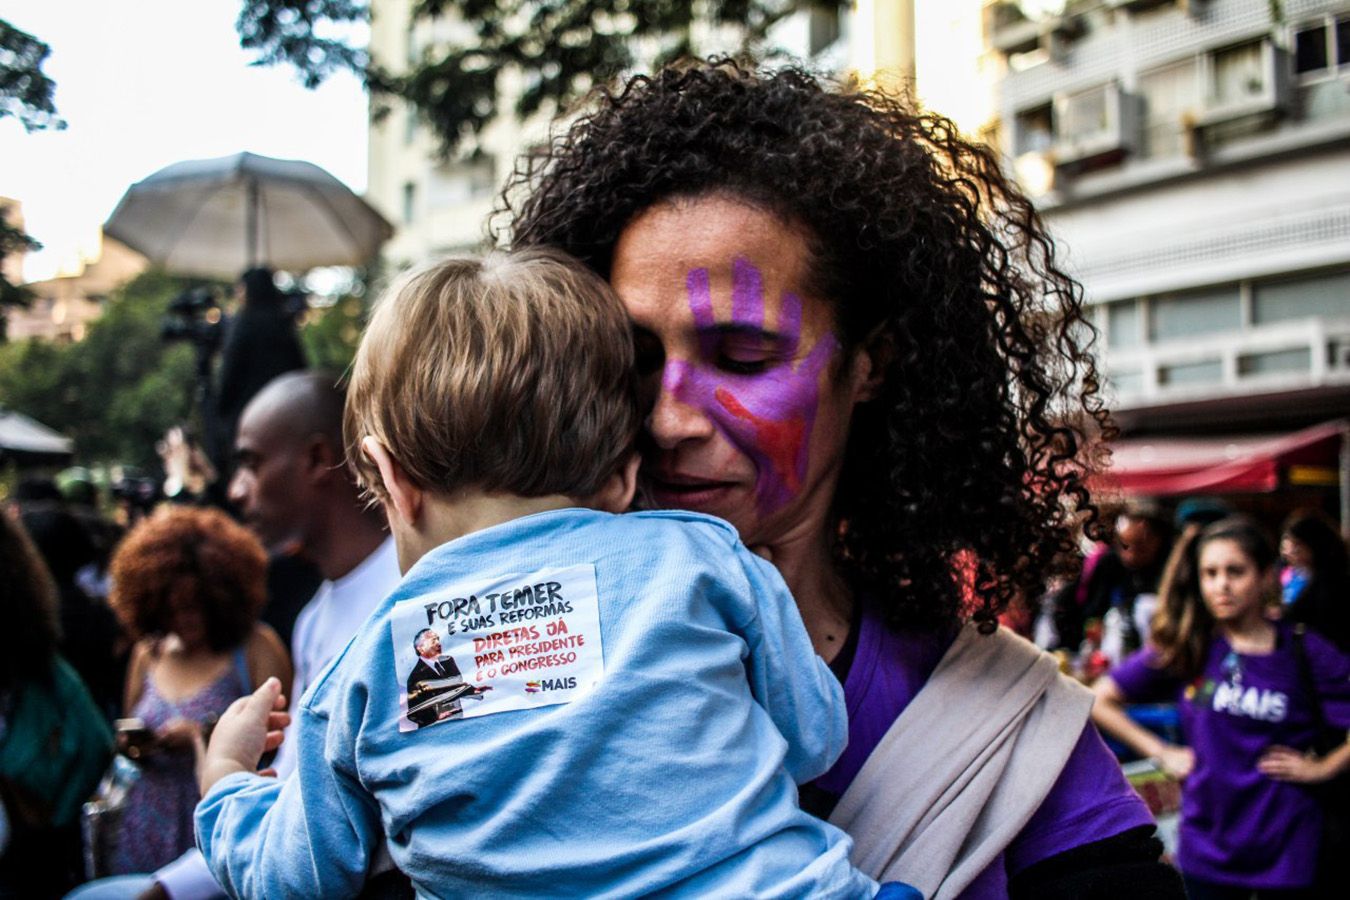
664,555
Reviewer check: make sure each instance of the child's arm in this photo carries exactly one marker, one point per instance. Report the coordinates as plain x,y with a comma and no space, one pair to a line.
311,835
793,684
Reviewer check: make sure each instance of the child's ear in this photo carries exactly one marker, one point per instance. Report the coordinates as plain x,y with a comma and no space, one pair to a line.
404,493
617,494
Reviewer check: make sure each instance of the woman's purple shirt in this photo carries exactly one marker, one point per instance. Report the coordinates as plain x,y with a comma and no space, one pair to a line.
1238,826
1090,801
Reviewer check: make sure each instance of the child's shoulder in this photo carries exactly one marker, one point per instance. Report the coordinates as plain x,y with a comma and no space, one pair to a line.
699,526
710,543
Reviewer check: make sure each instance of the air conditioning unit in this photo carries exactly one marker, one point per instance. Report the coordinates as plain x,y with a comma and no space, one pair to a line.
1091,124
1187,6
1011,31
1269,90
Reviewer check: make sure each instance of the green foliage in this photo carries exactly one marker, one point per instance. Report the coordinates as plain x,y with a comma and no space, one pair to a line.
12,240
26,93
295,32
330,334
562,48
117,391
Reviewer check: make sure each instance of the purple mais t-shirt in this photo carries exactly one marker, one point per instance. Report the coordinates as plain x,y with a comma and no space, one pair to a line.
1090,801
1239,827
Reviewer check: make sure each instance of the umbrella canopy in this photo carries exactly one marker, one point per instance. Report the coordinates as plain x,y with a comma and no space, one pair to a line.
218,217
26,438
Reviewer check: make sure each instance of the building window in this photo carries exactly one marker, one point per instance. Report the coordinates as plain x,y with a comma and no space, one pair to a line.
1209,371
1281,361
1127,381
1035,130
1325,295
1178,316
1171,94
453,184
1123,329
409,202
409,124
412,50
1323,47
822,28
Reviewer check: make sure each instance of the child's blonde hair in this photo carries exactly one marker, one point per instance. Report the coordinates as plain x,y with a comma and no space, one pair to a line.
512,373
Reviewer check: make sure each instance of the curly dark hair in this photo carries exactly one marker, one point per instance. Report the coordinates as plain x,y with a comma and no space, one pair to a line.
977,448
31,627
201,553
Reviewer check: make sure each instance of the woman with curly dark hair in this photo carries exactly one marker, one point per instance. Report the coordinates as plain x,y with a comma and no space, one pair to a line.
861,352
188,583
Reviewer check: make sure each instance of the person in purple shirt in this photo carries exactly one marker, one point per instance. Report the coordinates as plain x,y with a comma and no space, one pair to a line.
1249,823
860,351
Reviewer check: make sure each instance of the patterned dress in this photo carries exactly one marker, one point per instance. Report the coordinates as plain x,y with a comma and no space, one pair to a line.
156,826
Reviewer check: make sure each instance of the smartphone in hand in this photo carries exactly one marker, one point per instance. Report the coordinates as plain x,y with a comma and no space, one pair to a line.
134,737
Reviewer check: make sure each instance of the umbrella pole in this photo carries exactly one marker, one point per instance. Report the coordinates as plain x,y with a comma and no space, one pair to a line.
253,212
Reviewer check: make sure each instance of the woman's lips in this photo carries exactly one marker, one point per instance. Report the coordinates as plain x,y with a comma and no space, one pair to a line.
674,489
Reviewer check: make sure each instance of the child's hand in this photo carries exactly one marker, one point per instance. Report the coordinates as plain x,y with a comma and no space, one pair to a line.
248,729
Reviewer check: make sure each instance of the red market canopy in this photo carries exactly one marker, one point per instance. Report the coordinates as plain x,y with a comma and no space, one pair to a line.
1162,467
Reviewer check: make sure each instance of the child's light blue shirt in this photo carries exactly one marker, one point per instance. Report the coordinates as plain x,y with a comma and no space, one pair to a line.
673,775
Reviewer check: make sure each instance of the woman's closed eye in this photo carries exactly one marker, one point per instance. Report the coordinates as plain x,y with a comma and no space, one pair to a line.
741,355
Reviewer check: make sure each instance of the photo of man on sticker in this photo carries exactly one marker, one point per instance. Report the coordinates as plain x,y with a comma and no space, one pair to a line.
435,685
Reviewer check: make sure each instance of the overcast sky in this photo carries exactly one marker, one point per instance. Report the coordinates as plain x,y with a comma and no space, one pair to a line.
146,83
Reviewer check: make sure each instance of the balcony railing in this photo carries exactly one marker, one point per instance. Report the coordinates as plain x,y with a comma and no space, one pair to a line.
1300,353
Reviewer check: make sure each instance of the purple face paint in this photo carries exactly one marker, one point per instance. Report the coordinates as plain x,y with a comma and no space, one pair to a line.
767,414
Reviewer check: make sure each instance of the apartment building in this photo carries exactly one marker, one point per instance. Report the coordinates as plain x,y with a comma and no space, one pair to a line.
1193,158
62,307
440,205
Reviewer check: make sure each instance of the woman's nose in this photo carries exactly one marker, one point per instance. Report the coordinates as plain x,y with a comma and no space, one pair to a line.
680,411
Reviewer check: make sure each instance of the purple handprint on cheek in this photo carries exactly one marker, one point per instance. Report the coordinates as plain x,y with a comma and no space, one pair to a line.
769,414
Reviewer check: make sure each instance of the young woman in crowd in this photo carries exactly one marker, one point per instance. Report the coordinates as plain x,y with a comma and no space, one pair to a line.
54,741
1250,690
860,351
189,584
1316,576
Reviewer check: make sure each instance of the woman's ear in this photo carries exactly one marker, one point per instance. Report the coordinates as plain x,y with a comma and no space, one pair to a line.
405,496
616,495
871,361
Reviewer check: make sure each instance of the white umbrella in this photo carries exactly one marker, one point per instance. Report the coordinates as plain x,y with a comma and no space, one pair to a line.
218,217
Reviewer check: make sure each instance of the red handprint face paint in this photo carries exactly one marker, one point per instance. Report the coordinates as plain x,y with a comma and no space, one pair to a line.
750,415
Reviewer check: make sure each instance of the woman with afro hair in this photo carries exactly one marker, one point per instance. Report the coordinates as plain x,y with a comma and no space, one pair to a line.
860,350
188,583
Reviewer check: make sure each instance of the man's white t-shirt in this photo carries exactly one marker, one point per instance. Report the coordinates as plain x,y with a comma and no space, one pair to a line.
329,621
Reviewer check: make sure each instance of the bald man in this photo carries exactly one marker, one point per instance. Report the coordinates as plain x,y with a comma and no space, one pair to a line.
295,491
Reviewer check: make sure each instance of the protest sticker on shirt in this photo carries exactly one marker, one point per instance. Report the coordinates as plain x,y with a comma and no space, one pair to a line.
497,644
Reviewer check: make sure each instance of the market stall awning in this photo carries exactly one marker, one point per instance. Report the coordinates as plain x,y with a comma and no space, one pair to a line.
23,437
1236,464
